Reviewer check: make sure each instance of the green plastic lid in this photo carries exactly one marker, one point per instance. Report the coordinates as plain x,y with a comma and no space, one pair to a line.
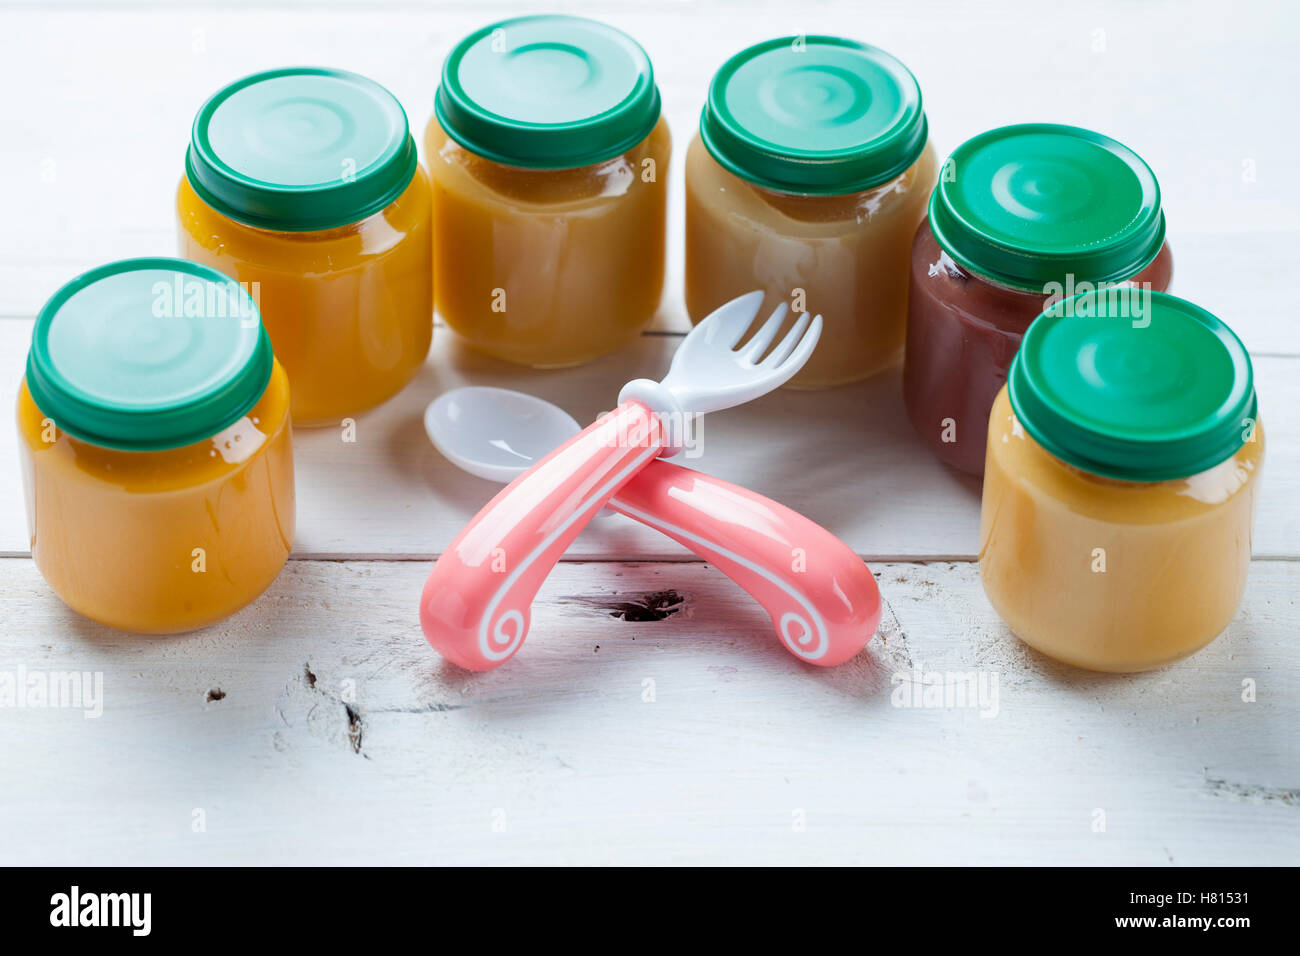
300,149
1135,385
1028,205
814,115
547,92
148,354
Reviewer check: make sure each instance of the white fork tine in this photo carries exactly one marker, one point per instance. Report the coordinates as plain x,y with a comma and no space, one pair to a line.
761,339
725,325
787,344
806,344
709,372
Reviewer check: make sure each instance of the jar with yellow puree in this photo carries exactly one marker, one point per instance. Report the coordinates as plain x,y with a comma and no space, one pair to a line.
549,163
303,184
154,439
808,177
1122,466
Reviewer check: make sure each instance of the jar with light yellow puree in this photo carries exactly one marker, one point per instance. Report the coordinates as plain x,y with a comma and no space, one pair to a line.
809,176
549,163
155,444
1122,466
303,184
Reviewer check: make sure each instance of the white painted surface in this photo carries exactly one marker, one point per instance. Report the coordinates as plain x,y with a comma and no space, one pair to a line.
562,746
739,737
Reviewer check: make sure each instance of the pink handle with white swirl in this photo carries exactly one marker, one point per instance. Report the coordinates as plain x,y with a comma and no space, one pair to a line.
822,598
476,602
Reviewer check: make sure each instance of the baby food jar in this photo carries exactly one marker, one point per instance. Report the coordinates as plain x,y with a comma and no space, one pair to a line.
807,179
1022,217
1123,462
154,439
303,184
549,163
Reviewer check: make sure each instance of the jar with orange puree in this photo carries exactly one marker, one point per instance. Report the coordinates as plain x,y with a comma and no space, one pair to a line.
303,184
549,163
154,438
1122,467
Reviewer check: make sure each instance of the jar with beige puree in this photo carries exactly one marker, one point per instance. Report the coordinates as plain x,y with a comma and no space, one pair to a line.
1123,463
549,162
808,178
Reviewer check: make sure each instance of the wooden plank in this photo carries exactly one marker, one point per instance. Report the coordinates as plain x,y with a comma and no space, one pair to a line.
848,458
317,727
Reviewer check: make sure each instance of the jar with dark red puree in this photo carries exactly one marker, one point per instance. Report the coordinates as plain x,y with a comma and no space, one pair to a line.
1023,217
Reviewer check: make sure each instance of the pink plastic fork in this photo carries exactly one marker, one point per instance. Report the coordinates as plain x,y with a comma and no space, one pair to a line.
475,607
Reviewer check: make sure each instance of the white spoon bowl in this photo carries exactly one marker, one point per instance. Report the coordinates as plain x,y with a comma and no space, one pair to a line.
495,433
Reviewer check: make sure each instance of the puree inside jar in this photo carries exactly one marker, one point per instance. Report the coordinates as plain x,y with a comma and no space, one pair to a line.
845,257
1112,575
349,310
548,268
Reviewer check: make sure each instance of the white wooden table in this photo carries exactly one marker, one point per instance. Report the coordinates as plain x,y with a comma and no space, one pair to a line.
317,726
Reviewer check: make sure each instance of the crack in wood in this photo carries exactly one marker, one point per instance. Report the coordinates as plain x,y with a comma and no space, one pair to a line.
891,626
352,714
1253,793
651,606
354,727
437,708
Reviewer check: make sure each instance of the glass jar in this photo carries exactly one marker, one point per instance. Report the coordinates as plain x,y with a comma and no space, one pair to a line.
1022,217
1123,461
155,444
807,179
303,184
549,163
